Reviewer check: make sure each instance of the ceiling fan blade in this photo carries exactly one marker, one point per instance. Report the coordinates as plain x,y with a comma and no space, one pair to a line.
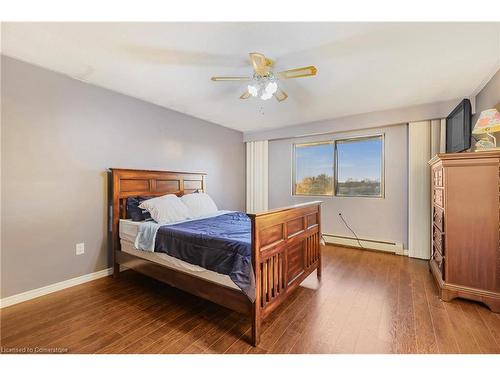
245,95
306,71
280,95
230,78
261,64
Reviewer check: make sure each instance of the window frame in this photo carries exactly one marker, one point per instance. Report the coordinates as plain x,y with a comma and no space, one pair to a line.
294,167
382,165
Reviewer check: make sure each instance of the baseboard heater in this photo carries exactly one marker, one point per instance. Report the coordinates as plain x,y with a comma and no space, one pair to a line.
390,247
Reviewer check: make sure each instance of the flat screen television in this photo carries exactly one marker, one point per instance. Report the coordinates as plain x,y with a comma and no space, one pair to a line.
458,127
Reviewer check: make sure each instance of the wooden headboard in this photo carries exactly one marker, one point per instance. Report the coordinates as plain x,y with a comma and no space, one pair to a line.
133,182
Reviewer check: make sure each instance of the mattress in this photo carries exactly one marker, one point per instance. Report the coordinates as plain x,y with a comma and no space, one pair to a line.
127,228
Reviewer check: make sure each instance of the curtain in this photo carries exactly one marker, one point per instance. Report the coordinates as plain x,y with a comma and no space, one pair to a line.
257,176
425,140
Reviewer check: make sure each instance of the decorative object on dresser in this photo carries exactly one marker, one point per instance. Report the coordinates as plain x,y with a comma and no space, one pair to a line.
465,257
487,123
285,245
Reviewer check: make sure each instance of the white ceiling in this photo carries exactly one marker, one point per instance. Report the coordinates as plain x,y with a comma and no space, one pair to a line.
362,67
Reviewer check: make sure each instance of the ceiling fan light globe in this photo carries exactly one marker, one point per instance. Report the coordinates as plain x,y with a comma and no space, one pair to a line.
254,91
271,87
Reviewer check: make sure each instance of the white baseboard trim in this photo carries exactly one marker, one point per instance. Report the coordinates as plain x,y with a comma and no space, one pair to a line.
390,247
30,294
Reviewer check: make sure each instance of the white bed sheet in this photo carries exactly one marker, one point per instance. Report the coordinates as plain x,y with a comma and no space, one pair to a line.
179,265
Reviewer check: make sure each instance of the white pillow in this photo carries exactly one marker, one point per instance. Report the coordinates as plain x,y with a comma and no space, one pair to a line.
166,209
199,204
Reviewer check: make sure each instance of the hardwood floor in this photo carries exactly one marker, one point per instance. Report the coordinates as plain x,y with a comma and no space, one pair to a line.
368,302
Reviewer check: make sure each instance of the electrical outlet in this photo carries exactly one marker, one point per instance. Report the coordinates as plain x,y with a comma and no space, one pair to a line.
80,248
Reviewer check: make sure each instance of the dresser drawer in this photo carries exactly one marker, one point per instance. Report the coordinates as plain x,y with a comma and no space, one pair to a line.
438,197
438,177
438,217
438,239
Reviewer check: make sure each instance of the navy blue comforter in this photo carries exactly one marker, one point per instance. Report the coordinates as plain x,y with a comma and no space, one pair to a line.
220,244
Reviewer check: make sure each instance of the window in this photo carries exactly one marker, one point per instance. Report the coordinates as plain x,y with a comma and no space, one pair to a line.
313,169
359,167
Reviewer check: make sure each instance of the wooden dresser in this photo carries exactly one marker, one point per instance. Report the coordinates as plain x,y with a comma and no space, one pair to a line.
465,257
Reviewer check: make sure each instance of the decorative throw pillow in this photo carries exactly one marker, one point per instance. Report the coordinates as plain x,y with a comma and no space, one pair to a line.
199,204
134,212
166,209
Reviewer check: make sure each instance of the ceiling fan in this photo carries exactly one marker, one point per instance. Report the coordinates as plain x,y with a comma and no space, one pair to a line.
264,82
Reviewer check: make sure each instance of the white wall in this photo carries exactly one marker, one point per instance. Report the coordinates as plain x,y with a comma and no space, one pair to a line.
59,137
361,121
371,218
487,98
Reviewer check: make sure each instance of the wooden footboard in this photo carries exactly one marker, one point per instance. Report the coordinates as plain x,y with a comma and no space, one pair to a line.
285,250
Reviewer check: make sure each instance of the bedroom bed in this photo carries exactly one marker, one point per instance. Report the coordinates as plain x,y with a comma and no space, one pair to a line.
282,246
